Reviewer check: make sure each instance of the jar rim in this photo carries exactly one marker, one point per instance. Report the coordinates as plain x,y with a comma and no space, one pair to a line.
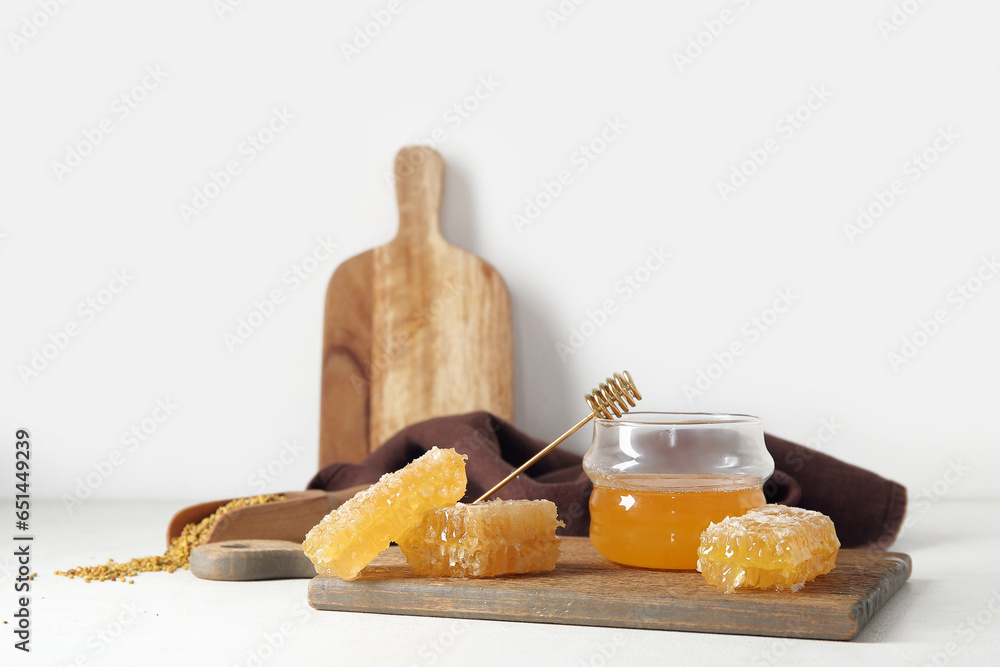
678,419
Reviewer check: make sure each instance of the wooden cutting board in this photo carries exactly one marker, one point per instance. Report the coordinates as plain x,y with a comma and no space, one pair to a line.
586,589
414,329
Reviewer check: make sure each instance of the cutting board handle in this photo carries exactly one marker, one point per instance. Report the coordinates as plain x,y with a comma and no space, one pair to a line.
419,172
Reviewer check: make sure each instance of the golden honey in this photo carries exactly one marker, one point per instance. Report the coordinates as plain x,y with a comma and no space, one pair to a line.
656,521
772,547
351,536
484,540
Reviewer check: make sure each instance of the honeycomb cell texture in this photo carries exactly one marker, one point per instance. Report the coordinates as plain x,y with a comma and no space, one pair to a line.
350,537
484,539
772,547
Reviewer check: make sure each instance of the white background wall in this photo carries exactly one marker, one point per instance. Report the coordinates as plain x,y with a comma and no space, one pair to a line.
685,128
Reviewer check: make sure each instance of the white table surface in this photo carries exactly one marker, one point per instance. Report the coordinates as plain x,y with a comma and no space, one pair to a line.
178,619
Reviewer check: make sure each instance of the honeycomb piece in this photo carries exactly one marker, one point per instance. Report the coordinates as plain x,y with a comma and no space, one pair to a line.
772,547
484,539
349,537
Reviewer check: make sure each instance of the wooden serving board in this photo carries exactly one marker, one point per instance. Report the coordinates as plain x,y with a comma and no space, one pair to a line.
413,329
586,589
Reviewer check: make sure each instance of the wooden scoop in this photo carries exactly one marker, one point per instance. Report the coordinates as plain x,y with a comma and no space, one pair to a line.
287,520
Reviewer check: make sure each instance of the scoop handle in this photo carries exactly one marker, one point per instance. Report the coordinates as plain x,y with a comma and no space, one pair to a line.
251,560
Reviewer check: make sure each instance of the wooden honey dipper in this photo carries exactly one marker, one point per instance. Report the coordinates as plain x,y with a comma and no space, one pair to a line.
615,396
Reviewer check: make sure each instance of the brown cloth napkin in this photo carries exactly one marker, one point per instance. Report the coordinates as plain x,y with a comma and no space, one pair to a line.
867,509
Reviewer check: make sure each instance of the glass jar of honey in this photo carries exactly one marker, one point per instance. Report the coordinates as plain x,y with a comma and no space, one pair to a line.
660,478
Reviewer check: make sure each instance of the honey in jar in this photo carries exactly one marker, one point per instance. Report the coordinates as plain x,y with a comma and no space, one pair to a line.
656,521
660,478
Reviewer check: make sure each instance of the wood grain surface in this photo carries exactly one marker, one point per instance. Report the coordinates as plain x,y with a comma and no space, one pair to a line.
251,560
586,589
413,329
289,519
